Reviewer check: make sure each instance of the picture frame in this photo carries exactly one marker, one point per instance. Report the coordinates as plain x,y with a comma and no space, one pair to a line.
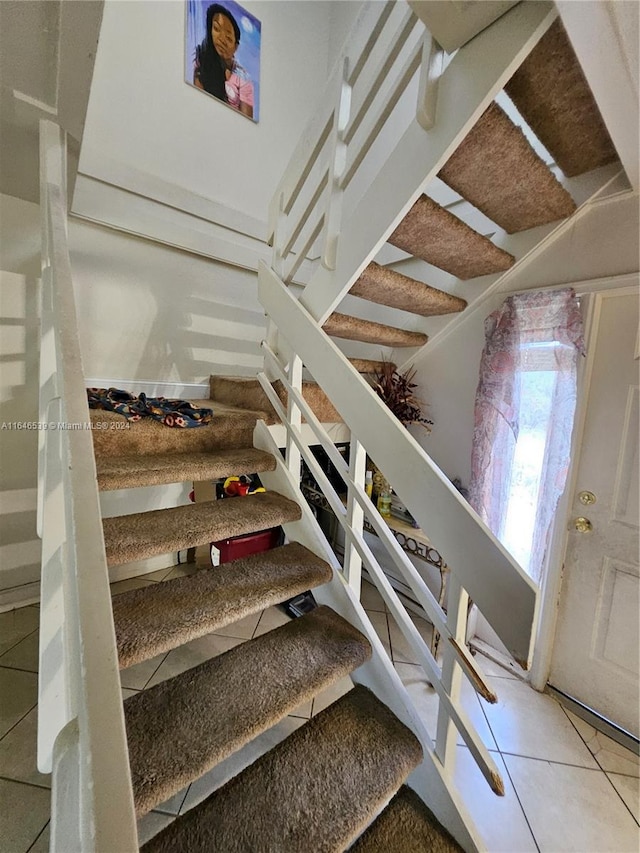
223,42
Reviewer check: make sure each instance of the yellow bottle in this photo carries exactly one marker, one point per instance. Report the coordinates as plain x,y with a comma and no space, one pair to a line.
368,483
384,504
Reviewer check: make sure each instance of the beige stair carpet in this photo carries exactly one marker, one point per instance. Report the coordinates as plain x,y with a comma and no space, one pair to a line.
388,287
552,94
497,170
202,716
114,435
161,617
368,366
131,472
355,329
406,826
430,232
247,392
163,531
315,791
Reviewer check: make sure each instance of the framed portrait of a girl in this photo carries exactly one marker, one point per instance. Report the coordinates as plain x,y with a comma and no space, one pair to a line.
222,54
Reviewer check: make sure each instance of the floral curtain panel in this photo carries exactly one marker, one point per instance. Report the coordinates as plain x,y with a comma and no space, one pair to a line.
524,411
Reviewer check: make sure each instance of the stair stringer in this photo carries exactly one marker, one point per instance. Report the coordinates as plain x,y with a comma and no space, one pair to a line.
378,674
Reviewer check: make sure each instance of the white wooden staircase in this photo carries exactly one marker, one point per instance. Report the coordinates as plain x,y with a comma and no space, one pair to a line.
362,176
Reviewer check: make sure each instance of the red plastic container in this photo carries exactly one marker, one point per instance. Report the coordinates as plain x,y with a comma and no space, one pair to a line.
243,546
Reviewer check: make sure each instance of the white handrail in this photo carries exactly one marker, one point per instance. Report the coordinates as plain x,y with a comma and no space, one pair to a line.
81,730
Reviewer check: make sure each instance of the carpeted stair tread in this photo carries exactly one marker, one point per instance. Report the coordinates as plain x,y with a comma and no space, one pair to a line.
368,366
356,329
316,790
553,96
242,391
434,234
181,728
388,287
497,170
161,617
231,427
163,531
131,472
406,826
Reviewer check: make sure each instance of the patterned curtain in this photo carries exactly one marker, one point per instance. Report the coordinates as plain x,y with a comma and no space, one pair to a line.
524,411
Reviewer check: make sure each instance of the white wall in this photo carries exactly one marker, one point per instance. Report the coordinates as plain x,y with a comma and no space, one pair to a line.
144,116
19,271
151,313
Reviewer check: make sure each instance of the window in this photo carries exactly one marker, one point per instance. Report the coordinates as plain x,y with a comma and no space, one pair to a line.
524,412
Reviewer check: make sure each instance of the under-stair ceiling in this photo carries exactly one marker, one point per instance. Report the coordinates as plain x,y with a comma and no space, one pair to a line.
497,208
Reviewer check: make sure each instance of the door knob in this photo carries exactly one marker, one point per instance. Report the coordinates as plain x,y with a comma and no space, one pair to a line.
582,524
587,498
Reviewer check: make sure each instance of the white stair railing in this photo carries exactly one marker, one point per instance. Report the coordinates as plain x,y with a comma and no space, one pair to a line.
81,730
450,626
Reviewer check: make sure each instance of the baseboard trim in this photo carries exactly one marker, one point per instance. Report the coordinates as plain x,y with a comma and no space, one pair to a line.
155,388
602,724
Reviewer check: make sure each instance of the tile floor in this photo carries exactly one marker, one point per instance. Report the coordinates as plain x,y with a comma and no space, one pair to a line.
567,786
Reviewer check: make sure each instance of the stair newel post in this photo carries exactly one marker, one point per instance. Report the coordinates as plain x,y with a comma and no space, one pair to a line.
294,417
355,515
457,606
337,165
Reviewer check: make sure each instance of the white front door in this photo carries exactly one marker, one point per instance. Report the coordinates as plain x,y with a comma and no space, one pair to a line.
595,658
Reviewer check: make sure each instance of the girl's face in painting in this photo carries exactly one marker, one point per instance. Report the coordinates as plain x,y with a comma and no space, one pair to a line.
224,37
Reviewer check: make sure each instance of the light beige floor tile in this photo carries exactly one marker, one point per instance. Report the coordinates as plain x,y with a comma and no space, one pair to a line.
191,654
331,694
401,650
24,655
608,753
370,598
490,667
18,752
531,724
135,677
243,629
427,702
500,821
129,584
173,805
151,824
23,816
233,765
160,575
19,692
15,625
272,617
181,571
572,808
629,789
127,691
41,844
381,627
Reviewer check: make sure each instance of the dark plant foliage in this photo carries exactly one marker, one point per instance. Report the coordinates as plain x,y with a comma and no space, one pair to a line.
396,390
